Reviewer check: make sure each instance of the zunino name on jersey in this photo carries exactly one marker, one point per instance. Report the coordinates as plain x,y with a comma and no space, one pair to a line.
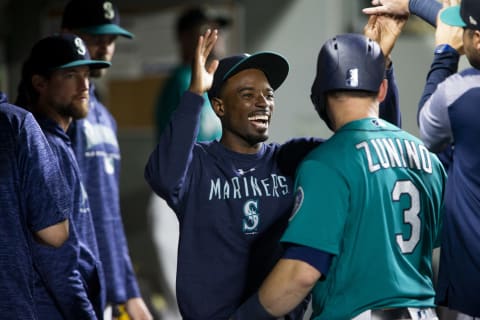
388,153
242,187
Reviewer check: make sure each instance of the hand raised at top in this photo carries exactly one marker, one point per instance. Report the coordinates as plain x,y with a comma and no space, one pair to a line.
390,7
202,75
445,34
385,30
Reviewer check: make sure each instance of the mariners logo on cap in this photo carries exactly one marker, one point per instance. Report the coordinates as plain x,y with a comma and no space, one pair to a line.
80,46
352,78
109,12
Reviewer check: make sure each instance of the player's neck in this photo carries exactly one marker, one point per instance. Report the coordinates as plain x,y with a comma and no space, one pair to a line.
351,109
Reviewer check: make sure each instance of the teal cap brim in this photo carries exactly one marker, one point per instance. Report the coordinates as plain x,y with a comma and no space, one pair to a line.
93,64
452,17
108,29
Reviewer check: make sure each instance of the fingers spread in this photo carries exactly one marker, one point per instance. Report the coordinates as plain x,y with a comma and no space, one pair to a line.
210,39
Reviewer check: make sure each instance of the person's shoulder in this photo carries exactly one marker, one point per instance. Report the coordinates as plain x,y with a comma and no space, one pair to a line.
461,78
466,73
10,110
301,142
458,84
182,70
405,135
100,111
179,74
14,117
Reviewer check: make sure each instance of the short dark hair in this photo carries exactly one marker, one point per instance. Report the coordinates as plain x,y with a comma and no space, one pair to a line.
352,93
194,17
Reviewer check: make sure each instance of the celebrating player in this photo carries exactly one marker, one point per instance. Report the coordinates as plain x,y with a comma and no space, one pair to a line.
232,197
367,206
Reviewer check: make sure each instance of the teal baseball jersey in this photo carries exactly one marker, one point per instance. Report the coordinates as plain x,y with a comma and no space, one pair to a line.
371,196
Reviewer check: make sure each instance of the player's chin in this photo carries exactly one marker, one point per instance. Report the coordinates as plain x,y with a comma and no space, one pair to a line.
258,138
80,109
262,134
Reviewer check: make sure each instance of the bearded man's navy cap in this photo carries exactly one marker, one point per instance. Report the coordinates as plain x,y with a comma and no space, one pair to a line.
274,66
61,51
465,15
96,17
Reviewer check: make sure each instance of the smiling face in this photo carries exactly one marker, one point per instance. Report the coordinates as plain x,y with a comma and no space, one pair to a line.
245,107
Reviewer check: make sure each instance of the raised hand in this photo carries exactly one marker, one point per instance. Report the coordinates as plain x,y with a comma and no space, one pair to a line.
385,30
390,7
446,34
202,75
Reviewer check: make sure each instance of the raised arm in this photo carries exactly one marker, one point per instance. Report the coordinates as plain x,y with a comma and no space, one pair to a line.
386,30
433,116
168,165
427,10
392,7
449,47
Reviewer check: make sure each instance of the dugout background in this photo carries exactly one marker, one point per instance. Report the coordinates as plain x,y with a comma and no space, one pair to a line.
294,28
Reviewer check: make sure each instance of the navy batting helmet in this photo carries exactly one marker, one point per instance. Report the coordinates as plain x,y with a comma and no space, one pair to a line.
347,62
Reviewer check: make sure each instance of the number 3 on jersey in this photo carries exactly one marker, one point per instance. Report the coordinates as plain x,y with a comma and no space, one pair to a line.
410,215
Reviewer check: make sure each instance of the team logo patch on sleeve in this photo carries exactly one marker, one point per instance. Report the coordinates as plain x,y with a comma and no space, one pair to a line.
299,195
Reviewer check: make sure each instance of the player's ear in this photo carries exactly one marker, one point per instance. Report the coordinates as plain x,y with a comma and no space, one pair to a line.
39,83
476,39
382,91
218,106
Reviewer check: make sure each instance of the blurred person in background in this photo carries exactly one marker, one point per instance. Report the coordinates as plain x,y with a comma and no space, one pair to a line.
95,143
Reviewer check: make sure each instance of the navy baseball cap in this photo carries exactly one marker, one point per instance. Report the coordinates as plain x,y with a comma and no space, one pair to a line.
61,51
96,17
465,15
272,64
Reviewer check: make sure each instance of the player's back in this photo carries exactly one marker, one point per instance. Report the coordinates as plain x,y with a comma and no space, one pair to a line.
395,190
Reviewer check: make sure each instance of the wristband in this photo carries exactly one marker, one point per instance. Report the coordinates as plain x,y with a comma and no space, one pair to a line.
252,309
444,48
